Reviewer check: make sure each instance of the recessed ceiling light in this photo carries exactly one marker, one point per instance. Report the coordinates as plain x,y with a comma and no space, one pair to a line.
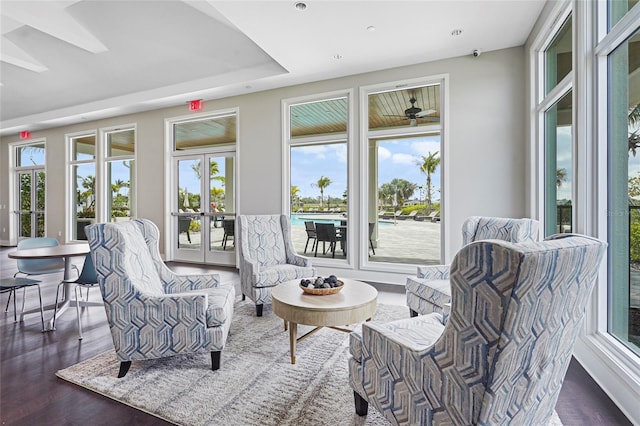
337,56
456,32
371,28
301,6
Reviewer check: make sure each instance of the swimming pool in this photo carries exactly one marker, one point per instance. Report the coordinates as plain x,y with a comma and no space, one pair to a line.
299,219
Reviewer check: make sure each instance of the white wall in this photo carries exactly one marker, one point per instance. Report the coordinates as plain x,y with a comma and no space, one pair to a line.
485,160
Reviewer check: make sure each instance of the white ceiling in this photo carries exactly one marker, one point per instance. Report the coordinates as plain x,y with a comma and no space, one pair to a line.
66,61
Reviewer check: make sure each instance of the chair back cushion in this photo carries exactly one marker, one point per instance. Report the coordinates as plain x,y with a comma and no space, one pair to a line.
522,302
478,228
39,266
88,274
262,239
123,262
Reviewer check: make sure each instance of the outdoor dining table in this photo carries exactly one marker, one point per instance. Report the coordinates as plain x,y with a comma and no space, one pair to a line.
67,252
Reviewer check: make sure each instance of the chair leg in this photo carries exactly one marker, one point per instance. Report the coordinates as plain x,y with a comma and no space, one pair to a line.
78,311
215,360
259,310
362,406
372,249
41,309
124,368
24,299
412,313
15,309
6,309
55,309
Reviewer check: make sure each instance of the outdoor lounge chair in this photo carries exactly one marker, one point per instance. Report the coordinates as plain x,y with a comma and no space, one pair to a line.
412,214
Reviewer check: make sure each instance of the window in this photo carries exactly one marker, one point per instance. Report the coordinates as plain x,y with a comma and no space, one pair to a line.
558,56
404,185
102,174
318,157
558,166
624,192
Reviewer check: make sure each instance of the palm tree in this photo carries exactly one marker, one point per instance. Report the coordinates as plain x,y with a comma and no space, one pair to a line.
428,166
322,183
295,198
397,191
634,137
561,176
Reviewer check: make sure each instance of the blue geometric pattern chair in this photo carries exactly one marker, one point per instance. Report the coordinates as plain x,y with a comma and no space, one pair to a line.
429,291
516,311
267,257
153,312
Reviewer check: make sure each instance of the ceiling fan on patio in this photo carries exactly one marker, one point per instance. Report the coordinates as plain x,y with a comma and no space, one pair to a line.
415,113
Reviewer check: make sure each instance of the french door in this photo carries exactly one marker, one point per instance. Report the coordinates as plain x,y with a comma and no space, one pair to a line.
30,203
203,208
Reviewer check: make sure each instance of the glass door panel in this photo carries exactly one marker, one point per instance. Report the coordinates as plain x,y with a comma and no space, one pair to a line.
204,213
31,203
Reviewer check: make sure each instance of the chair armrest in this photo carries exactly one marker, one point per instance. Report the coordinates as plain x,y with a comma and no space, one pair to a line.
249,266
176,283
434,272
188,309
299,260
396,333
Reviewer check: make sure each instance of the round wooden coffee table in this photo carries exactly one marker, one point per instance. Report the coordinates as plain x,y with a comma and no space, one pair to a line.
356,302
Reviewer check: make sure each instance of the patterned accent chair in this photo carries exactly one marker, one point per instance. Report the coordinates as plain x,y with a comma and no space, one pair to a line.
153,312
517,309
430,291
267,257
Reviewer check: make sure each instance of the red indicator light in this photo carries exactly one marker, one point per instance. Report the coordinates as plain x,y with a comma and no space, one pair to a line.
25,135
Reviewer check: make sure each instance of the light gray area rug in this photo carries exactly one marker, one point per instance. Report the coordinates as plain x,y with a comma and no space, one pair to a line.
256,383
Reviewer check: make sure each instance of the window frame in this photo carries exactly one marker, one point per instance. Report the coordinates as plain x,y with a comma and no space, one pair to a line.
348,138
101,161
366,135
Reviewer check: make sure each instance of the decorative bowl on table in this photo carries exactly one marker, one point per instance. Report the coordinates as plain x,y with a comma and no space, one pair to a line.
320,286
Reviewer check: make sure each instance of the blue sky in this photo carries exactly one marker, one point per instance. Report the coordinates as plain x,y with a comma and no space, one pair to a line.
397,158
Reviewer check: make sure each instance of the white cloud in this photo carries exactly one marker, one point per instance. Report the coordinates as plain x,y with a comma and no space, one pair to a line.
404,159
383,153
340,151
426,147
318,150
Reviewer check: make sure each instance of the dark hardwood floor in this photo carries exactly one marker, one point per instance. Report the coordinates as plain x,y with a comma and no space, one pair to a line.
31,394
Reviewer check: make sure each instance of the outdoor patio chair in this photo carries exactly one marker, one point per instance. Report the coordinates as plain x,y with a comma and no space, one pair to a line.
327,233
501,356
310,229
371,228
430,290
153,312
184,223
229,226
267,257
